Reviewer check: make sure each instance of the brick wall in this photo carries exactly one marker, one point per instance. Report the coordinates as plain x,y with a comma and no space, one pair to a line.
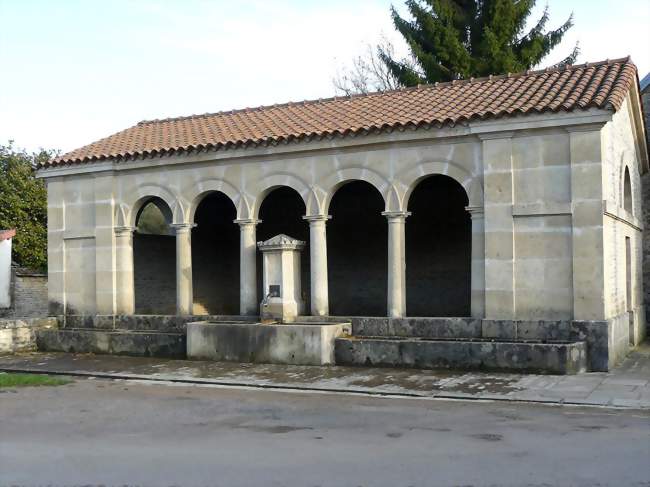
28,295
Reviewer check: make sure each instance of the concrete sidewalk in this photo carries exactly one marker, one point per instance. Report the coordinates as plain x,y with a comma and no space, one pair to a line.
628,386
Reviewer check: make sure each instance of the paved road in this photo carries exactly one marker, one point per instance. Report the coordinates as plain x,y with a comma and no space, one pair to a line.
129,433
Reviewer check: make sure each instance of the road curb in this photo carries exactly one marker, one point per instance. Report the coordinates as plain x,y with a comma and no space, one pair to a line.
308,389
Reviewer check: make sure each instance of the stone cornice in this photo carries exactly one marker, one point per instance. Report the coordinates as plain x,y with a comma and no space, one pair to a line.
456,134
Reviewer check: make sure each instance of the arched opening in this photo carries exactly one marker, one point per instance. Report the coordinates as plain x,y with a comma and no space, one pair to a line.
357,251
154,259
215,256
438,249
627,191
281,212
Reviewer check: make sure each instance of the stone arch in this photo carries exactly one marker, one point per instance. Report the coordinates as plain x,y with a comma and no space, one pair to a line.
411,178
201,189
627,199
629,181
142,194
339,178
277,180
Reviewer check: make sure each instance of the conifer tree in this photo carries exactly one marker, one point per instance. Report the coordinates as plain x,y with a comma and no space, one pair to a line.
457,39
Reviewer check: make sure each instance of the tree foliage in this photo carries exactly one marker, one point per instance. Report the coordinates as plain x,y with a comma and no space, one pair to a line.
23,205
459,39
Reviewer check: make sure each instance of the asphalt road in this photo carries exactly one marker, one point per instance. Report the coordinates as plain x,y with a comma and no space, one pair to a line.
125,433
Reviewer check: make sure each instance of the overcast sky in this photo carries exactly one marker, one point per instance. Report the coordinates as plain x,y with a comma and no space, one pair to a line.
76,71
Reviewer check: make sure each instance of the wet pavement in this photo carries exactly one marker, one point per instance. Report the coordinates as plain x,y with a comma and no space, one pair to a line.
628,386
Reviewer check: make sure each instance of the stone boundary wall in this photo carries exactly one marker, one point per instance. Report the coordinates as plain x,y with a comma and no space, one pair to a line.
28,295
19,335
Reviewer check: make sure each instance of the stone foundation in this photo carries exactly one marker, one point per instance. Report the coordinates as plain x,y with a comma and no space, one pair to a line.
134,343
19,335
160,323
607,341
544,357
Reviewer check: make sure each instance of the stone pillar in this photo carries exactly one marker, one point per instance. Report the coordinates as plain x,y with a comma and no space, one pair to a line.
105,252
56,247
318,264
248,304
396,263
478,262
184,294
124,295
499,226
587,222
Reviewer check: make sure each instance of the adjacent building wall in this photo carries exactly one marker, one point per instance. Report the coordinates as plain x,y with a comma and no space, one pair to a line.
5,273
645,182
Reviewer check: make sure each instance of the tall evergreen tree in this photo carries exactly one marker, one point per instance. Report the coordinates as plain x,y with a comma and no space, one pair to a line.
456,39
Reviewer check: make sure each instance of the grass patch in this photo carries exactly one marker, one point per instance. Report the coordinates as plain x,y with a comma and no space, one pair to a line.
22,380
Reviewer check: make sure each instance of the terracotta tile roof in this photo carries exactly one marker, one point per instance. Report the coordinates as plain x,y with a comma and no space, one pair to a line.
594,85
7,234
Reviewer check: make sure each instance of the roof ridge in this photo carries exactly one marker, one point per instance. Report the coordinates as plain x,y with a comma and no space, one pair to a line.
442,84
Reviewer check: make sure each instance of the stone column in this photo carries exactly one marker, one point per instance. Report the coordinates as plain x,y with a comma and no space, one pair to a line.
124,295
478,262
396,263
248,304
318,264
184,294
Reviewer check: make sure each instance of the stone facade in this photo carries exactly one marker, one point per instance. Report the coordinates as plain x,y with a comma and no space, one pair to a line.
553,205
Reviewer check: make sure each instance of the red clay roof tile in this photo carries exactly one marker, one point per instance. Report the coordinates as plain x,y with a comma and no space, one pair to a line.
596,85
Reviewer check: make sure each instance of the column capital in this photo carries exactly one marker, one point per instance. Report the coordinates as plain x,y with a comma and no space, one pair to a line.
246,221
396,215
475,211
123,230
182,227
317,218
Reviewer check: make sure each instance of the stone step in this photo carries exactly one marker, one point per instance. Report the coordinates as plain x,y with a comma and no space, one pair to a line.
549,357
116,342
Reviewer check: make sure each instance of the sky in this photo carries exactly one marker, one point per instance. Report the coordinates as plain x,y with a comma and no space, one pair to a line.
75,71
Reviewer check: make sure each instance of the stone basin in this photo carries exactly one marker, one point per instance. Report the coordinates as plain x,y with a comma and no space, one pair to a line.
272,343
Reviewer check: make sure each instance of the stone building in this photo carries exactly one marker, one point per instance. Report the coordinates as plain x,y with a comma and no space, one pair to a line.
645,183
512,199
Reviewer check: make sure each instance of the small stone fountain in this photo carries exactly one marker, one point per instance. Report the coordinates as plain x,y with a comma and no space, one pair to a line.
279,337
